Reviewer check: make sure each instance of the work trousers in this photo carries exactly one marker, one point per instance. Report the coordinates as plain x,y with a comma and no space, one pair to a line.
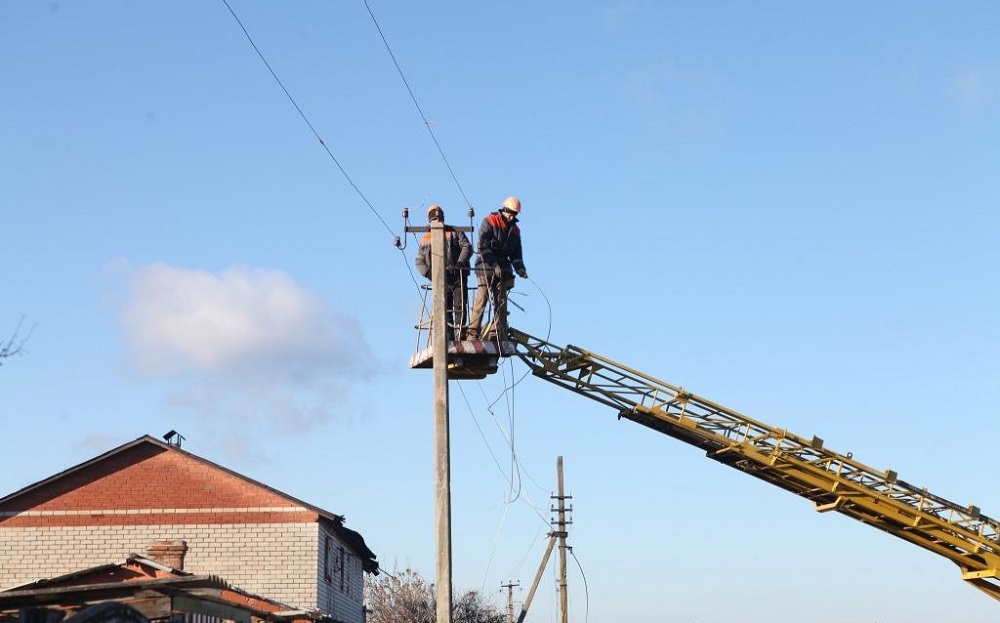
454,303
494,288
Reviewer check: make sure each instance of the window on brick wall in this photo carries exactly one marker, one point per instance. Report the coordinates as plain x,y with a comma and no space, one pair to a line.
327,563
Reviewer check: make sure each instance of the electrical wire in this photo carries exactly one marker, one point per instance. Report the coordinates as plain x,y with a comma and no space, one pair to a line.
427,123
517,468
306,120
515,476
409,269
480,429
548,335
510,427
586,589
527,501
527,552
515,465
507,502
548,304
493,548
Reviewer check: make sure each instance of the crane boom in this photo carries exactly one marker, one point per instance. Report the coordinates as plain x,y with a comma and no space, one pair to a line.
832,481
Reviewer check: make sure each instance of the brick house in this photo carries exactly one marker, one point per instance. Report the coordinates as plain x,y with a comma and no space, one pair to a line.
148,494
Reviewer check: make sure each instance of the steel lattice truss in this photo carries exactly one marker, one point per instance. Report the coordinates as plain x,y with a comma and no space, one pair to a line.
833,482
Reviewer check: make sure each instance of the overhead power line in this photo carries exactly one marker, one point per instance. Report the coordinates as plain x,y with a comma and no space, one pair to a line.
427,123
306,119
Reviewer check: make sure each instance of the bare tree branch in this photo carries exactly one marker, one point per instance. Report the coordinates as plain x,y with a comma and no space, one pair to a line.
407,598
15,343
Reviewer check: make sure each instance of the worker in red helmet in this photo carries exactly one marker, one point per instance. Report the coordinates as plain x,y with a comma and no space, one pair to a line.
458,252
498,259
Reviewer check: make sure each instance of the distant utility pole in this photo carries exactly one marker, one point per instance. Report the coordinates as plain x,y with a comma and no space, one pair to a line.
561,532
510,599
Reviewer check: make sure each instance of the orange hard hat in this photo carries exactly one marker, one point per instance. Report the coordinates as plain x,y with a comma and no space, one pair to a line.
513,204
434,207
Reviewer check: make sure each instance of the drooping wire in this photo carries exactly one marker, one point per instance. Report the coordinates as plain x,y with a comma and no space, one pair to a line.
507,501
548,336
530,549
409,269
306,119
480,429
548,304
516,467
515,476
586,589
493,548
538,509
427,123
510,426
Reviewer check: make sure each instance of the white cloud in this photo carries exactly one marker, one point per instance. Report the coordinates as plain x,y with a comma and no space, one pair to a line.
247,345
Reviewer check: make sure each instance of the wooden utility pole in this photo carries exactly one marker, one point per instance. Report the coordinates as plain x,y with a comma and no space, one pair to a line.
510,600
538,577
442,439
561,533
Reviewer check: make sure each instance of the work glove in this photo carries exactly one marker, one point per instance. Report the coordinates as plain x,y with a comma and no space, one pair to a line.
523,274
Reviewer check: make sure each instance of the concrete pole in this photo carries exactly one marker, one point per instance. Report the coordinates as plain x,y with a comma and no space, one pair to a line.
442,441
563,598
510,600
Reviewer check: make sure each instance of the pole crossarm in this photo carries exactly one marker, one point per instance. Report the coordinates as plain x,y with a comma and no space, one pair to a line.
832,481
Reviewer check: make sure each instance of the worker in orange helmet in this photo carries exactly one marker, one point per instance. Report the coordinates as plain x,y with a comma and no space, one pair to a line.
458,252
498,259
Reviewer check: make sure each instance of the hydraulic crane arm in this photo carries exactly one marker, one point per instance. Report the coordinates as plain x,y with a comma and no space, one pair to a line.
833,482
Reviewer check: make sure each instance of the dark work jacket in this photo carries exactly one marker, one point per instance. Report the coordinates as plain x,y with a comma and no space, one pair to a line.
457,251
499,243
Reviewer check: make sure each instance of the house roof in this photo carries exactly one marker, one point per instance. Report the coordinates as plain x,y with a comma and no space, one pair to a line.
134,568
335,521
138,578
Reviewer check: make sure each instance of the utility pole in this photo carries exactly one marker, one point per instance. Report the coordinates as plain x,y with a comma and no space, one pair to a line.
561,525
442,436
559,534
438,351
510,600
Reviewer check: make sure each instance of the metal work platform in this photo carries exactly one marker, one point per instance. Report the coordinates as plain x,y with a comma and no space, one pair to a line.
468,359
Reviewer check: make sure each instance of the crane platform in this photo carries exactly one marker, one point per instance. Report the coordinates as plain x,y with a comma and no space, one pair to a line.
468,359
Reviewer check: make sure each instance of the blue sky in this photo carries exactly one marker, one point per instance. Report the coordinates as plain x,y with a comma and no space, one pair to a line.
786,207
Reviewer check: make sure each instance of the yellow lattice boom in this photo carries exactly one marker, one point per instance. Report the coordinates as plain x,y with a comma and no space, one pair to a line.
832,481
